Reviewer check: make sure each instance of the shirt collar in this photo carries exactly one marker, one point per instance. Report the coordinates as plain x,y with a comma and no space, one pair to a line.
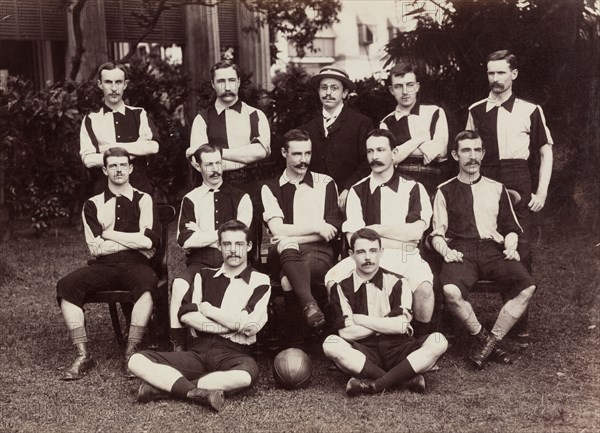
393,183
335,114
308,179
416,110
120,109
205,189
507,104
377,280
237,106
244,275
128,193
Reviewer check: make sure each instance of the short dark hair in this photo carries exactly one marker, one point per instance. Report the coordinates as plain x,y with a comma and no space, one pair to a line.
115,151
234,226
364,233
294,135
109,66
465,135
206,148
510,58
224,64
401,69
383,133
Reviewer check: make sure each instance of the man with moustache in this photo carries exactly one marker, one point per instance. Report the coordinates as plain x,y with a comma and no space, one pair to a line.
241,131
225,309
302,213
515,137
203,210
338,135
399,210
477,233
117,125
421,130
372,314
121,233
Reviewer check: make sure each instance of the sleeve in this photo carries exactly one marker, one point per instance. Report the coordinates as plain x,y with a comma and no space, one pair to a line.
341,311
256,309
272,208
192,298
539,134
419,207
440,215
198,136
332,215
149,223
362,170
89,149
354,216
507,220
401,299
245,210
147,130
437,147
186,215
264,132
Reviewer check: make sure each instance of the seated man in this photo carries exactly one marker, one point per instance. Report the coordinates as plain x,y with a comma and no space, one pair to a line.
398,209
302,213
120,231
477,233
203,210
372,313
225,308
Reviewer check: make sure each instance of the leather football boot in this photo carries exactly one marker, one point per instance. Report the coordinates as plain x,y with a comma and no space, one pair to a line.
313,315
416,384
130,349
501,356
81,365
213,399
147,393
356,387
482,349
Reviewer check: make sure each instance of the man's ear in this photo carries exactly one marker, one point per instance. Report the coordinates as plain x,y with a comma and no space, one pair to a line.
104,170
249,246
514,73
194,163
283,151
125,84
482,153
345,93
130,168
454,155
99,84
350,252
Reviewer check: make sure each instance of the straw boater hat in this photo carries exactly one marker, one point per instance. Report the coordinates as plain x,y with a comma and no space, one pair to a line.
332,72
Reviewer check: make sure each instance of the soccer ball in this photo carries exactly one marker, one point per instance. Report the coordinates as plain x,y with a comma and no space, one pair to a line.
292,368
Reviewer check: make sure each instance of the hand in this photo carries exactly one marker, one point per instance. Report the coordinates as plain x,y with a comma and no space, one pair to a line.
358,319
204,308
108,234
193,226
327,232
426,159
453,256
409,330
511,254
537,202
342,199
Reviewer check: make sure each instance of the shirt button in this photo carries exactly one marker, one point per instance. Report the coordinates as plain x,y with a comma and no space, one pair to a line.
118,136
116,123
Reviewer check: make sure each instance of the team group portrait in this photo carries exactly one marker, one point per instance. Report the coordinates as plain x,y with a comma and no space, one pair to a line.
299,216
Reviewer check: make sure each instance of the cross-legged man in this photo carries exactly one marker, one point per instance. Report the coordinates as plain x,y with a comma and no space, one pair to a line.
225,308
121,232
372,313
203,210
477,233
302,213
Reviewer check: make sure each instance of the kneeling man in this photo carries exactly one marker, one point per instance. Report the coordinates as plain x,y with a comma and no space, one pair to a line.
225,307
476,231
372,312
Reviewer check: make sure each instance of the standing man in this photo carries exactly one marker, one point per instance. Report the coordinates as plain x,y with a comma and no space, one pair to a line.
399,210
512,131
372,313
421,130
117,125
302,213
203,210
241,131
477,233
338,135
120,231
225,309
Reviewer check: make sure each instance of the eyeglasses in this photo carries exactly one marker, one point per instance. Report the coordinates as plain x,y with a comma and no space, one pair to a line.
406,88
334,88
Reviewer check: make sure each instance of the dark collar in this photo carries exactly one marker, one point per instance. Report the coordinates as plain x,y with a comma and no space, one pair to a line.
509,103
108,194
308,179
416,109
245,274
393,183
377,279
237,106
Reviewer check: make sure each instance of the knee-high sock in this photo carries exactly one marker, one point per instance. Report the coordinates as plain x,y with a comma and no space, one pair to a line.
181,387
371,371
400,373
298,273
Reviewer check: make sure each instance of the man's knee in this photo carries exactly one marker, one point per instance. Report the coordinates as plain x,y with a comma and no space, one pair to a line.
424,292
526,295
437,344
136,362
287,244
452,294
332,347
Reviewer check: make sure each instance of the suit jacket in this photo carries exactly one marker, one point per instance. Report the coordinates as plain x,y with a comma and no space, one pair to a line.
342,154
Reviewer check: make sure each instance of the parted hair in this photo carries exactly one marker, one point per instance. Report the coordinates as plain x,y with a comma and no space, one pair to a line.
510,58
224,64
206,148
365,233
234,226
109,66
383,133
294,135
115,151
464,135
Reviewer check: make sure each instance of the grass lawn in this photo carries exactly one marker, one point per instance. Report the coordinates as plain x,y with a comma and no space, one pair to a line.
554,387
